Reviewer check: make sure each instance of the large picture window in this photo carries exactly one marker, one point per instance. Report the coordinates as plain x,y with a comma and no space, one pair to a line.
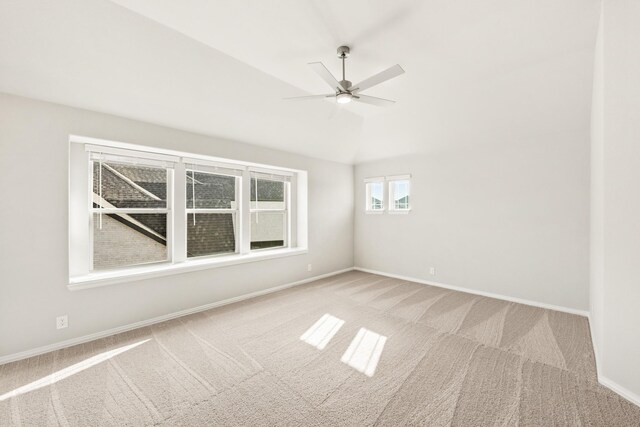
161,210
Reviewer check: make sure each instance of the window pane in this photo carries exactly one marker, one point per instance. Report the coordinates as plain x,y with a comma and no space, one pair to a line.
211,191
129,186
267,229
266,194
375,196
121,240
210,234
401,194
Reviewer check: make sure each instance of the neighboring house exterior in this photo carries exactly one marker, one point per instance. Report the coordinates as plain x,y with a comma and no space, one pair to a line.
120,245
402,203
376,203
126,239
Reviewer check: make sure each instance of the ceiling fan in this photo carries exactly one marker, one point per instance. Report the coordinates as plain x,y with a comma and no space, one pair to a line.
346,92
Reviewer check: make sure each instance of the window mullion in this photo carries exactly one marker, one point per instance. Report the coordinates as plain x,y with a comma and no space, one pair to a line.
268,210
237,217
179,216
127,211
90,205
287,214
245,213
212,210
170,208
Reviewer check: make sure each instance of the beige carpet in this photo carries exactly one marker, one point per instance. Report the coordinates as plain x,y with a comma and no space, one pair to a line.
354,349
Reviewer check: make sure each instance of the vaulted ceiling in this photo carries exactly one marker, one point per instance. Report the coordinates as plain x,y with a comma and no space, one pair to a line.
475,71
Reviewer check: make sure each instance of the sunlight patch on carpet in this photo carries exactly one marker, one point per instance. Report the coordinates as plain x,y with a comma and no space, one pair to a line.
364,351
68,371
322,331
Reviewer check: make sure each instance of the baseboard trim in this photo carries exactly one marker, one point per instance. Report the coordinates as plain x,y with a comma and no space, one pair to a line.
603,380
617,388
594,344
86,338
476,292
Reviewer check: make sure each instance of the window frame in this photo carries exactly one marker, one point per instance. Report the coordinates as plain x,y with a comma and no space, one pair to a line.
253,174
392,180
81,272
236,213
368,205
132,161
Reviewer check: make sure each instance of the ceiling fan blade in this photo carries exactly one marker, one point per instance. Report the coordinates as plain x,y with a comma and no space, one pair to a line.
380,102
326,75
383,76
304,98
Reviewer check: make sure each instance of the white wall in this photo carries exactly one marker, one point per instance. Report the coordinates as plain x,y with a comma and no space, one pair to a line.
615,285
596,294
34,228
509,217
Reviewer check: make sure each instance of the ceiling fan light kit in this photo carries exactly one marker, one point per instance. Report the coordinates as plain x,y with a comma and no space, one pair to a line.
345,92
343,98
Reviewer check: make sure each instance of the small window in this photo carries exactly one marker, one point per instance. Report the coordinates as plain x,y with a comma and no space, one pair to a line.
129,213
399,192
375,196
212,213
269,210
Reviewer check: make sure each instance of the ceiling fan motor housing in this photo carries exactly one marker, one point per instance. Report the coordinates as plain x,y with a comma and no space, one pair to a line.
346,84
343,51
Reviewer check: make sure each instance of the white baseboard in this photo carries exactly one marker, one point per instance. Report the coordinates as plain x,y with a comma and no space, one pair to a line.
476,292
616,388
602,379
612,385
594,344
86,338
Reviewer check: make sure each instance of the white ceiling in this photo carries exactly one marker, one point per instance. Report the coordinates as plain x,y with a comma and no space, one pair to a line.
475,71
97,55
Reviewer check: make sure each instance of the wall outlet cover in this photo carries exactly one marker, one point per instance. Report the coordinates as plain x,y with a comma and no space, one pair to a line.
62,322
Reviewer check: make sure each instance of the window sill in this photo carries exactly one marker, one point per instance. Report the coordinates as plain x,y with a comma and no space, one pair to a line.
380,212
94,280
399,212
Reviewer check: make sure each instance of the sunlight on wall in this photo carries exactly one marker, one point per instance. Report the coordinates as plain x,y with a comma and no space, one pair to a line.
364,351
322,331
68,371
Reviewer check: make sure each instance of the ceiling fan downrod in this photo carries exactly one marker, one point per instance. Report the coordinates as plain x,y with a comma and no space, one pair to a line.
343,53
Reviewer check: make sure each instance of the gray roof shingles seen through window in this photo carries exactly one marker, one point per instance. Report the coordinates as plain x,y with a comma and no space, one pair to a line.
132,186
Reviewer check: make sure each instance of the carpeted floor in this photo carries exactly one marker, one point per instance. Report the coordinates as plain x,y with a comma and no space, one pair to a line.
354,349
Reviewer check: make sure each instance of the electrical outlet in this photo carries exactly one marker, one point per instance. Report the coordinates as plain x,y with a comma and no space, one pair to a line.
309,267
62,322
432,271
